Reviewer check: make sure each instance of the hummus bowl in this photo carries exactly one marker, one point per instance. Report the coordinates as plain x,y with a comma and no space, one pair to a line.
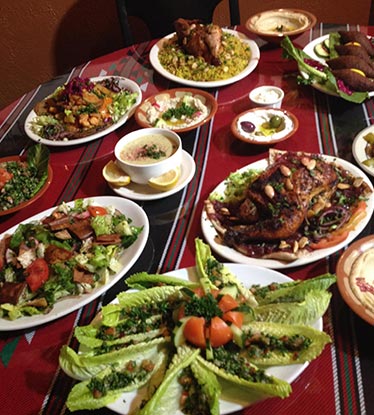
178,109
274,25
355,277
148,153
264,125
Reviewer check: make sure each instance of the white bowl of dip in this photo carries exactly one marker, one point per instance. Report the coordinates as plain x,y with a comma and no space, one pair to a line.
148,153
266,96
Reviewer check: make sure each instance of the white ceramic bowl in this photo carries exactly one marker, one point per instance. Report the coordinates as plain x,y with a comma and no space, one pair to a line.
141,173
266,96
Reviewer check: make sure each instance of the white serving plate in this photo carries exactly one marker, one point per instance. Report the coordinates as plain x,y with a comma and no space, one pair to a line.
128,258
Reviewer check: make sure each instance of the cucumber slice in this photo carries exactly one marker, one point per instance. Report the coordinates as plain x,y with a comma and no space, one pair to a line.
237,334
326,43
321,51
178,336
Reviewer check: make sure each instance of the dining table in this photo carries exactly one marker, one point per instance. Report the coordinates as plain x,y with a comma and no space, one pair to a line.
340,380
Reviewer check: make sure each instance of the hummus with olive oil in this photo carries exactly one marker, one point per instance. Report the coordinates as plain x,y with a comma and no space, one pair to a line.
280,23
183,110
361,279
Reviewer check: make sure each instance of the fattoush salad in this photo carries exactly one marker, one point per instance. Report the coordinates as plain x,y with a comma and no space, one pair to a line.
82,107
70,252
182,345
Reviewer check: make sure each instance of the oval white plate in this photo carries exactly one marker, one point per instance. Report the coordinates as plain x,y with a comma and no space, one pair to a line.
229,253
124,84
309,50
137,191
358,149
248,275
128,258
255,57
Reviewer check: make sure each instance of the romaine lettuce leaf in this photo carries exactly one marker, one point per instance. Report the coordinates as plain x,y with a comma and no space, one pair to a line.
292,291
251,391
307,311
280,343
143,280
166,398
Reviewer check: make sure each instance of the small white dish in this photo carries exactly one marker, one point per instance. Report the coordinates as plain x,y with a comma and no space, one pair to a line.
358,149
144,192
267,96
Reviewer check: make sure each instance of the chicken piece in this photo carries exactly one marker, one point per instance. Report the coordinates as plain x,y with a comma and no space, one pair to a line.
351,61
282,195
200,40
357,37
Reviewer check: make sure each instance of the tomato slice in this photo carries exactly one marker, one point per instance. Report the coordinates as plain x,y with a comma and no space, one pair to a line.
97,210
194,331
227,303
37,274
219,332
330,241
234,317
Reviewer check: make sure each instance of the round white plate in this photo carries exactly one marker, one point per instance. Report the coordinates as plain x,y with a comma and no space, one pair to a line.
358,149
309,50
128,258
137,191
248,275
124,83
255,57
231,254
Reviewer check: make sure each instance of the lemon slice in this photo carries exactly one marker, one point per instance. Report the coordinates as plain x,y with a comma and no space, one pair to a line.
358,71
114,175
166,181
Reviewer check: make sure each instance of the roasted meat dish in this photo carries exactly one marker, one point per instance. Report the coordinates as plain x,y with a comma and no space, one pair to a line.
199,40
284,212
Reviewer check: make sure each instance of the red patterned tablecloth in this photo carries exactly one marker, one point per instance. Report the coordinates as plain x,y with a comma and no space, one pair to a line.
340,380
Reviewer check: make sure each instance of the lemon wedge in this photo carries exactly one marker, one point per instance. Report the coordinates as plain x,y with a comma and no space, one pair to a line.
358,71
166,181
114,175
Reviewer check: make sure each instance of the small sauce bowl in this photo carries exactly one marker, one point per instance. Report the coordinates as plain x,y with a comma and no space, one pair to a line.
147,153
266,96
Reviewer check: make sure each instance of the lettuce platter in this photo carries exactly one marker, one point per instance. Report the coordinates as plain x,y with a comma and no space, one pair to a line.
138,357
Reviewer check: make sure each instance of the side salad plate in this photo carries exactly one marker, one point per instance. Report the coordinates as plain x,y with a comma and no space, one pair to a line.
227,80
24,179
83,110
94,264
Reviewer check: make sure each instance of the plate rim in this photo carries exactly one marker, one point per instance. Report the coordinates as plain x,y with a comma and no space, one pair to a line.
209,97
342,279
33,136
252,64
272,276
287,113
38,195
229,253
160,195
133,252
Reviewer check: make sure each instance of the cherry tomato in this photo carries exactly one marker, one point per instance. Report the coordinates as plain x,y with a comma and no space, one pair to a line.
37,274
234,317
97,210
194,331
227,303
219,332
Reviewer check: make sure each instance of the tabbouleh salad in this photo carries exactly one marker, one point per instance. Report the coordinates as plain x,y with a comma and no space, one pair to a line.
234,57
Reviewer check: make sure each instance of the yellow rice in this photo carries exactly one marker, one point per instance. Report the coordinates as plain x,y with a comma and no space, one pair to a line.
234,57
